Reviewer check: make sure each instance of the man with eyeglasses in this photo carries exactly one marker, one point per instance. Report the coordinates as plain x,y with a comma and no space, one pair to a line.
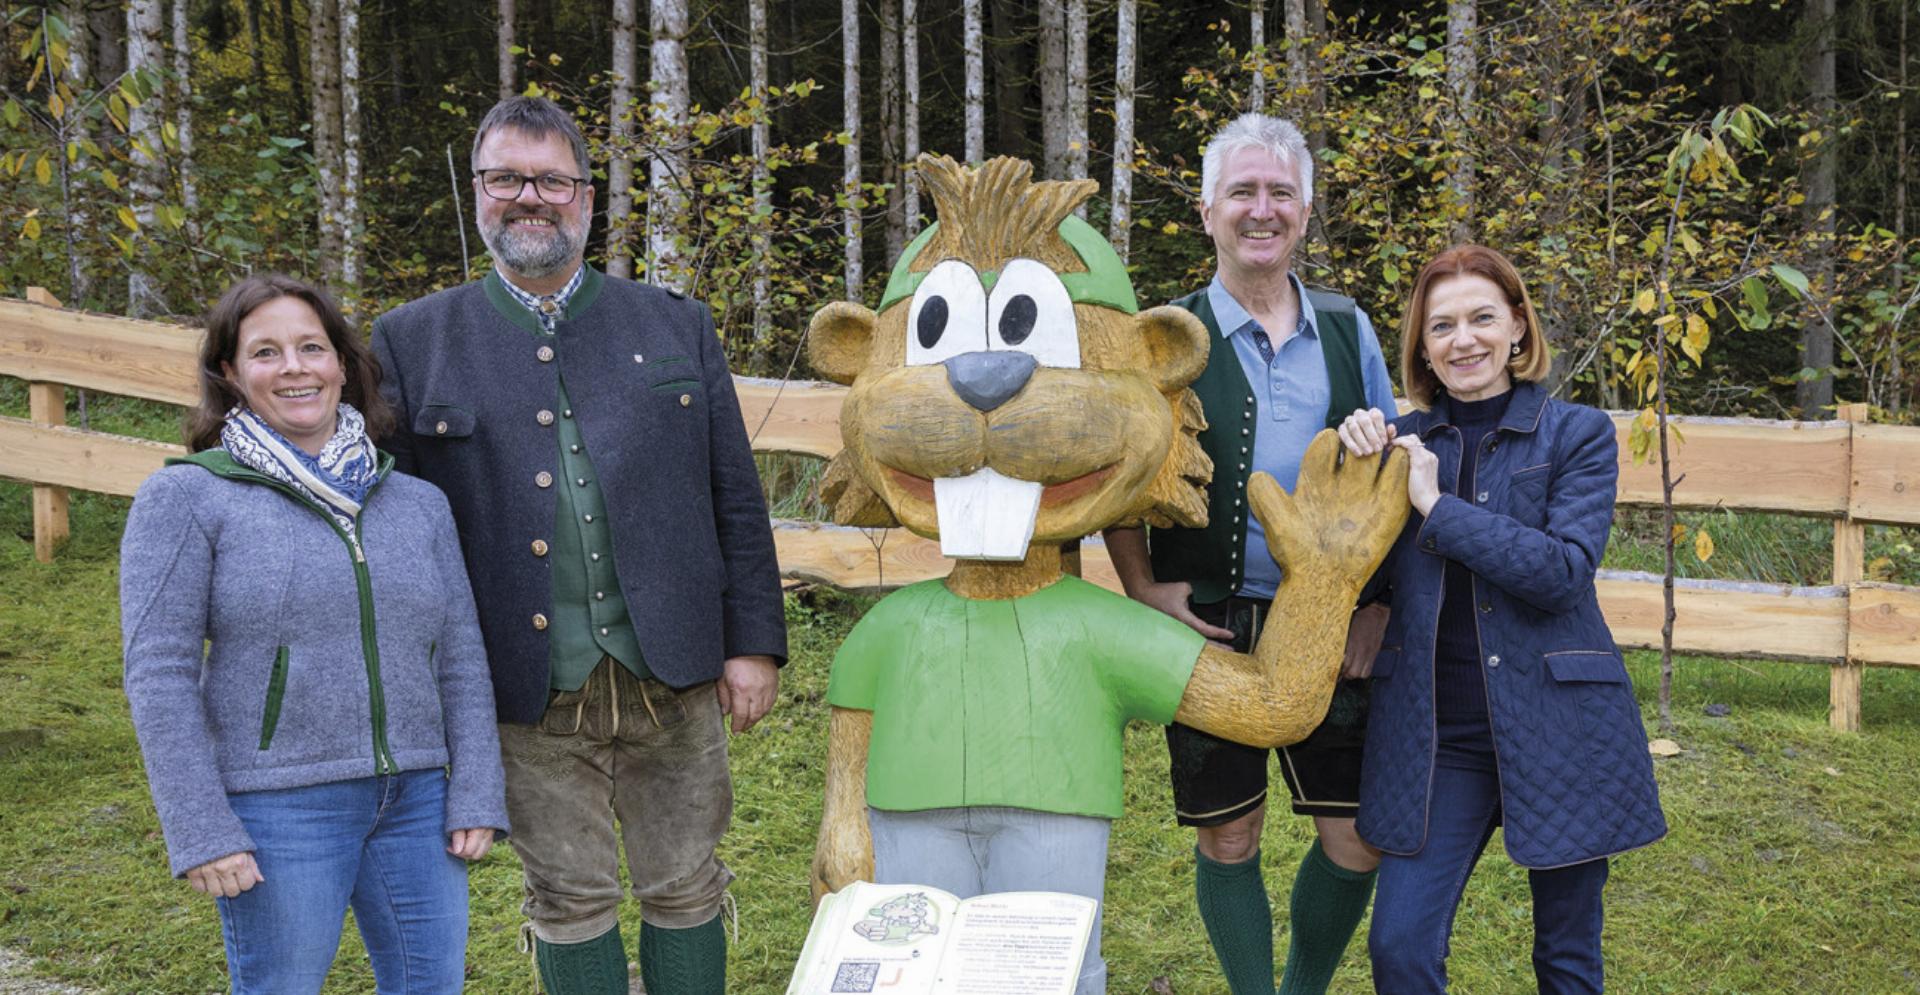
586,433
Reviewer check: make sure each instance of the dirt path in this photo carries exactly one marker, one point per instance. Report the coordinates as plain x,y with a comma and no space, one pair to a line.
16,978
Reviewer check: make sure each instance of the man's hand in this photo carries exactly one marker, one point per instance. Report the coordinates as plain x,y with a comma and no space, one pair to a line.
227,876
470,844
1365,631
1171,598
747,689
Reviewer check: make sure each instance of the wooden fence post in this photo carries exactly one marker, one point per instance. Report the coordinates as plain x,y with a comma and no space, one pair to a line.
1849,568
47,405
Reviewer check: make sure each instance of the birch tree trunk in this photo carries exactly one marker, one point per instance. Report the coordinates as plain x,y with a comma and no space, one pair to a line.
106,39
144,54
1053,89
974,46
323,57
890,100
1297,51
1316,86
1814,396
183,109
1077,93
850,163
503,48
626,68
1120,219
762,181
910,111
1463,73
351,224
79,220
1257,47
667,170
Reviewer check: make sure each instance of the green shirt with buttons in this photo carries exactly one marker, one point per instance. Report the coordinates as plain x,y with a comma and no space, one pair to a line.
590,618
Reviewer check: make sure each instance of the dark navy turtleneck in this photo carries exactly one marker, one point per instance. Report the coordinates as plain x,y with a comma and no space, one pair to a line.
1460,691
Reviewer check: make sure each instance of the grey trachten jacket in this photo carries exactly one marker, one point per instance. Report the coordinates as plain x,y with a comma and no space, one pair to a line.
263,650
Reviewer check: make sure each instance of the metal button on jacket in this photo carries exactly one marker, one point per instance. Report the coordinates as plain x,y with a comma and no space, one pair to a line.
686,399
543,479
1481,497
545,354
1493,661
539,547
539,621
545,417
439,428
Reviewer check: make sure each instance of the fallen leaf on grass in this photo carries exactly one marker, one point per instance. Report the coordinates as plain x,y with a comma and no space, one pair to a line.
1832,772
1664,748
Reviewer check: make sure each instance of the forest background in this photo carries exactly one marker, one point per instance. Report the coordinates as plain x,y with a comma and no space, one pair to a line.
1724,182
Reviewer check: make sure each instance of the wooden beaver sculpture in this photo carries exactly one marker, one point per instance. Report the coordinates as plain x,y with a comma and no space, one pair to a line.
1009,396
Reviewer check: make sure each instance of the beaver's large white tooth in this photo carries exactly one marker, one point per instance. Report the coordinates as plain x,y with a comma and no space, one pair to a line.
986,516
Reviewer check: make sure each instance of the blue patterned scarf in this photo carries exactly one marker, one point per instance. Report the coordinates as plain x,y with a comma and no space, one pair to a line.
338,479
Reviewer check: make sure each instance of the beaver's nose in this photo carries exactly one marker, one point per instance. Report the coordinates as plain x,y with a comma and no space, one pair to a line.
987,379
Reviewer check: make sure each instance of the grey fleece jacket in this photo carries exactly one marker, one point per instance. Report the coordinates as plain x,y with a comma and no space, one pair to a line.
262,652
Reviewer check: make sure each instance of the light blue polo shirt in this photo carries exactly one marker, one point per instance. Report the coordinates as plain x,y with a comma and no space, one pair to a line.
1290,400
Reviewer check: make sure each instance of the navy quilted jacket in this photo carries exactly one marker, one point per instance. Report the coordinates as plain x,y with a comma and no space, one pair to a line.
1575,779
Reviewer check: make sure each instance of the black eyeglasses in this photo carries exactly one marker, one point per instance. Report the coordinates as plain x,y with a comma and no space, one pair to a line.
505,184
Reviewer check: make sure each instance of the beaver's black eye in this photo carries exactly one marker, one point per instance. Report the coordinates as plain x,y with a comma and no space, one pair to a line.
933,321
1016,322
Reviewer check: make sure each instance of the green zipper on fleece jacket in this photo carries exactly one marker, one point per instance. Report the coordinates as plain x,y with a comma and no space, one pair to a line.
221,463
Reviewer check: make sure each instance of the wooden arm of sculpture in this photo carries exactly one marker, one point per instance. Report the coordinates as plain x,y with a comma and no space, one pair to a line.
1328,537
844,852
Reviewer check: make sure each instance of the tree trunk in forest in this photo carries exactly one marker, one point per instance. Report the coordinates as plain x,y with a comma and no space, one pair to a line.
976,85
1297,52
1562,137
79,220
351,226
1316,86
1120,218
1053,89
626,68
504,59
850,161
145,19
323,57
667,170
1077,94
290,63
1257,46
182,91
1463,75
762,180
1011,97
256,48
1896,397
890,100
106,40
1814,396
910,112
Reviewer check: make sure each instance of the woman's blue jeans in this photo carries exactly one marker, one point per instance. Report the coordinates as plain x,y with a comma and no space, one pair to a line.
378,844
1416,897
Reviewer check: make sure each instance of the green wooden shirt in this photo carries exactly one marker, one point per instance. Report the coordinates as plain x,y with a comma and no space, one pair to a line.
1018,702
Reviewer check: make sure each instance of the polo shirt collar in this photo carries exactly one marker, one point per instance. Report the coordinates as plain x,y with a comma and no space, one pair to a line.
1231,317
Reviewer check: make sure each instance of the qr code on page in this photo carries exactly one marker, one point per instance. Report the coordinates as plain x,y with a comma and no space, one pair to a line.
856,976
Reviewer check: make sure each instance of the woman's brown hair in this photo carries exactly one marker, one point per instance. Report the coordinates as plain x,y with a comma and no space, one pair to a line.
218,394
1533,361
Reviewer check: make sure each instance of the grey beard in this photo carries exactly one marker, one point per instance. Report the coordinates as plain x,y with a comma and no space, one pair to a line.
531,255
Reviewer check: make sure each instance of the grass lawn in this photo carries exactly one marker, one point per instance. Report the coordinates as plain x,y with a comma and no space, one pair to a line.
1793,866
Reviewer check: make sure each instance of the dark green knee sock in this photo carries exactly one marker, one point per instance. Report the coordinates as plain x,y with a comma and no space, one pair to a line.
684,961
595,967
1328,901
1233,903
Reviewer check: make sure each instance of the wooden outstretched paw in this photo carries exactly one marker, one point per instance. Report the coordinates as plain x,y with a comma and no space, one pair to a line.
1343,515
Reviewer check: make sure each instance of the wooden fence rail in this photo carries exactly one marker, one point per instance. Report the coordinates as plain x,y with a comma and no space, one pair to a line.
1852,473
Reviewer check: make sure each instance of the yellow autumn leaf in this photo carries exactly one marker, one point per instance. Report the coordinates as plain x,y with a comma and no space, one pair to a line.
31,229
1643,302
1679,533
1648,420
1694,342
1703,545
125,214
1170,228
43,170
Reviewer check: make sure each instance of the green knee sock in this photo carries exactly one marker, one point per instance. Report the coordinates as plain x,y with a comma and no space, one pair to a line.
1233,903
684,961
1328,901
595,967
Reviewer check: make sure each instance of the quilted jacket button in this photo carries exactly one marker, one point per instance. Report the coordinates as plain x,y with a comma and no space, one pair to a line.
539,622
1493,661
439,428
1481,497
544,354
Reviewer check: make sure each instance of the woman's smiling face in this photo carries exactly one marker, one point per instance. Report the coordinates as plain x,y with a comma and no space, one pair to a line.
1469,335
289,372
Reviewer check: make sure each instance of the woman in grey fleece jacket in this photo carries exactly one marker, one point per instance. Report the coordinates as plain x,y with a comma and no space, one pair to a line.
304,664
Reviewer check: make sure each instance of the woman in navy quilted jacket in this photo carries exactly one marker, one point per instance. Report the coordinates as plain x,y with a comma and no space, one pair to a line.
1499,698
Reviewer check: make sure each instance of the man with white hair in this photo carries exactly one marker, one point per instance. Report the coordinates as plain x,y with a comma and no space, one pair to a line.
1287,362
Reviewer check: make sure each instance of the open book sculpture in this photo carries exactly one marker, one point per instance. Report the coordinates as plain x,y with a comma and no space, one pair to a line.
1010,396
